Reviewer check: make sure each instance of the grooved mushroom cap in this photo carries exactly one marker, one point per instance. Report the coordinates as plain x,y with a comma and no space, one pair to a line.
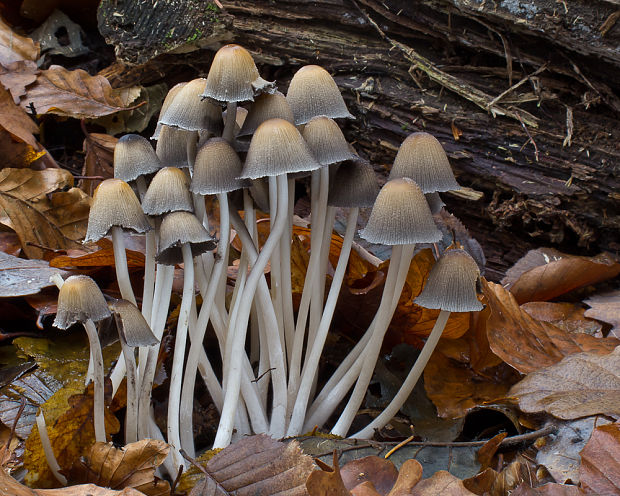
164,106
451,284
354,185
189,111
115,204
173,144
266,107
277,148
326,141
434,202
134,157
233,76
80,299
401,216
178,228
422,158
131,324
168,192
313,92
217,169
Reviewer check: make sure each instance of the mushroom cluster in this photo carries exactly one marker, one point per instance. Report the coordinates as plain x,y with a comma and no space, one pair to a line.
208,144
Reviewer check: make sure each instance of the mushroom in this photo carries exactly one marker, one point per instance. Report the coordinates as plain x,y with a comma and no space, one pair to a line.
451,287
167,101
266,106
135,158
80,300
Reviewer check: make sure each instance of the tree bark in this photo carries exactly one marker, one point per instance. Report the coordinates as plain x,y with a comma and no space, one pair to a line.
523,96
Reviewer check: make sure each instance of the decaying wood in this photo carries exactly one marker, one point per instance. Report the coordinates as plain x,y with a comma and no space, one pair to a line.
523,95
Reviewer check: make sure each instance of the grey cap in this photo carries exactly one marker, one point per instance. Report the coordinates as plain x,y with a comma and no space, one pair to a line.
326,141
134,157
115,204
167,101
178,228
189,111
314,92
422,158
401,216
266,106
80,299
277,148
168,192
131,325
217,169
233,76
173,146
354,185
451,284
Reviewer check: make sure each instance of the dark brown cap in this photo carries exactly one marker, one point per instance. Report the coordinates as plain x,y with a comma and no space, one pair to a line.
266,106
451,284
168,192
277,148
178,228
80,299
313,92
422,158
401,216
326,141
132,325
217,169
134,157
115,204
191,112
354,185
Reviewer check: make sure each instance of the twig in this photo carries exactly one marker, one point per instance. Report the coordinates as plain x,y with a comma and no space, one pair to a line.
263,374
20,411
398,446
529,136
516,85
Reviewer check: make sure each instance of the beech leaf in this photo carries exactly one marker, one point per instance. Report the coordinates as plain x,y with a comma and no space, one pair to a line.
600,461
15,120
443,483
19,277
99,150
14,47
606,308
581,385
380,472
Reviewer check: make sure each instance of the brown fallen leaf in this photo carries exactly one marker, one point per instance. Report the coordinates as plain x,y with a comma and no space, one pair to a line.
365,489
606,308
256,465
443,483
545,273
567,316
549,489
131,466
528,344
299,264
16,76
327,480
600,461
99,156
99,258
409,475
14,47
14,120
34,185
581,385
19,277
380,472
486,453
74,94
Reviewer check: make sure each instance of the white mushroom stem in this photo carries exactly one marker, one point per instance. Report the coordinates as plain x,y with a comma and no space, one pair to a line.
312,359
238,334
412,378
98,375
401,256
231,119
47,449
176,373
288,314
149,275
131,415
120,263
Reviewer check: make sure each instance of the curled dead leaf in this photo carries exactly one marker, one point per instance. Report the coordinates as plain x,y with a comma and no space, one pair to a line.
600,461
381,473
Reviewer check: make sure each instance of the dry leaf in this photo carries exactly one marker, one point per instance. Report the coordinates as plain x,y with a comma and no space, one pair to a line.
15,121
409,475
606,308
327,481
488,450
380,472
581,385
34,185
545,273
256,465
299,264
99,150
74,94
99,258
443,483
365,489
19,277
600,461
549,489
528,344
15,77
567,316
131,466
14,47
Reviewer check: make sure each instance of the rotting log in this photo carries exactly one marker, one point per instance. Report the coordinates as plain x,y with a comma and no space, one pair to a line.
523,95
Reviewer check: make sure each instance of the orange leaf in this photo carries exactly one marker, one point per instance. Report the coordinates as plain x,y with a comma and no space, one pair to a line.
600,461
100,258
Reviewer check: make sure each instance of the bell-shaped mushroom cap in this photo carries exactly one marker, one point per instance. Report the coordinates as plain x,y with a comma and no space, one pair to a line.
178,228
326,141
131,324
115,204
422,158
266,106
354,185
233,76
277,148
168,192
313,92
434,202
134,157
80,299
217,169
164,106
173,146
451,284
189,111
401,216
